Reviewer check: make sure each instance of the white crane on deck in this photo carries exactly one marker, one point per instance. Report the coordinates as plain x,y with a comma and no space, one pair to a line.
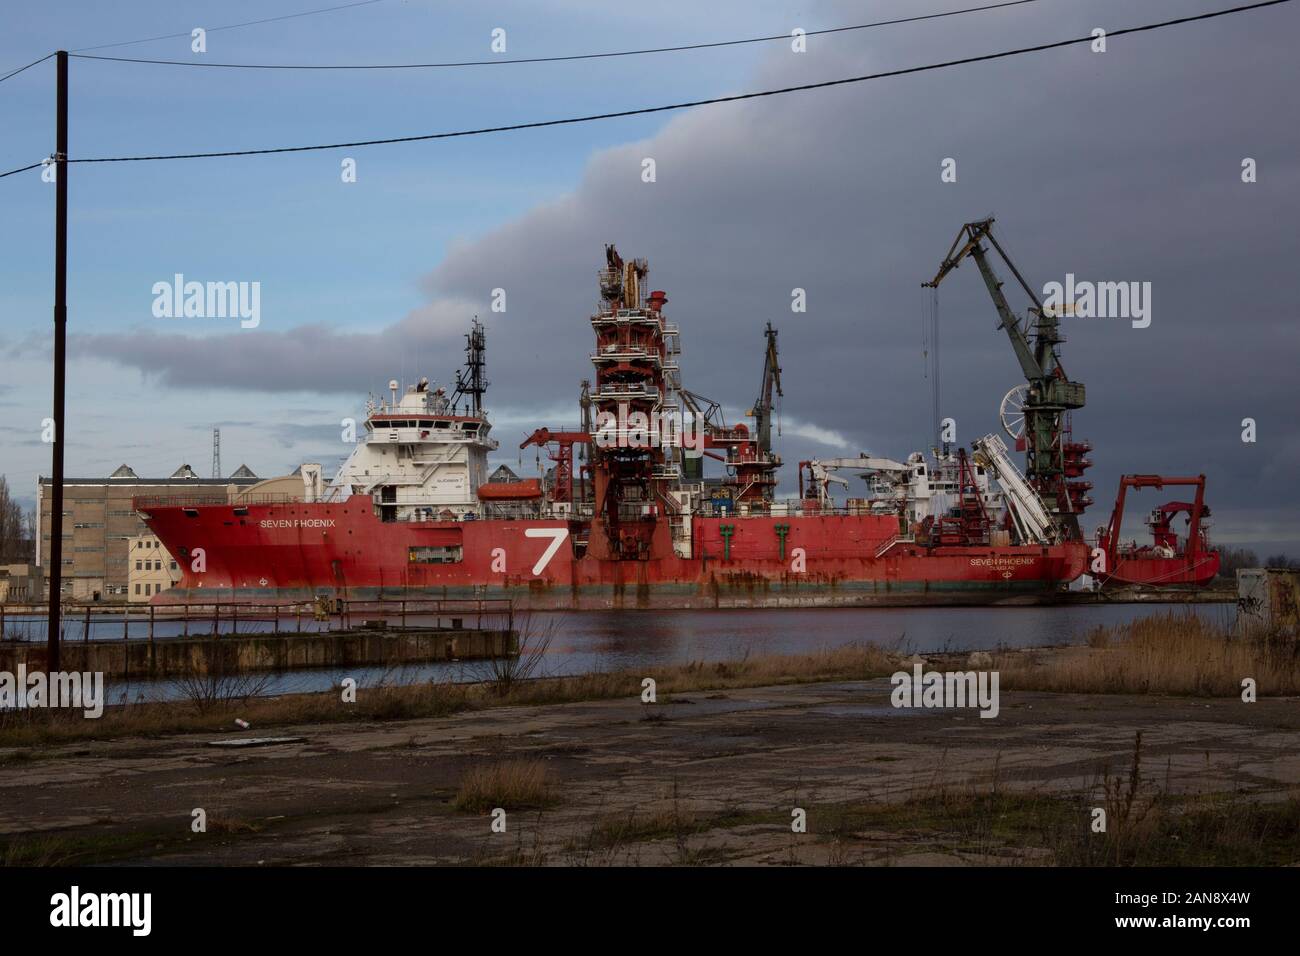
821,470
1030,514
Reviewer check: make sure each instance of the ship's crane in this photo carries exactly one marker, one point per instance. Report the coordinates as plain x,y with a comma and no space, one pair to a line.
1162,562
705,411
564,440
1028,512
562,455
1050,393
822,471
749,458
753,464
762,410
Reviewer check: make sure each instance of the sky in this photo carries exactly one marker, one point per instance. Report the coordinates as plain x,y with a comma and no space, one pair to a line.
1117,166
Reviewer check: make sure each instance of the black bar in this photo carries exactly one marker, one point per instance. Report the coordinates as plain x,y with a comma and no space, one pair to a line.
60,360
1026,903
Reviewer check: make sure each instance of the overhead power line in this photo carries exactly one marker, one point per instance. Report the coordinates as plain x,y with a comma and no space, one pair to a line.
692,103
232,26
674,106
502,61
20,169
176,36
27,67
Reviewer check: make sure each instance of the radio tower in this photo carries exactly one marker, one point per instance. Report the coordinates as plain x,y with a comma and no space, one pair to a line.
216,453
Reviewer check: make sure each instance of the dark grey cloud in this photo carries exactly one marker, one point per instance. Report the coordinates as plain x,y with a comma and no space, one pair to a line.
1121,165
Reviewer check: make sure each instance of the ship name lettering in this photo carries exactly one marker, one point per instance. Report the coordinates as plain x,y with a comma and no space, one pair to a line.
1000,562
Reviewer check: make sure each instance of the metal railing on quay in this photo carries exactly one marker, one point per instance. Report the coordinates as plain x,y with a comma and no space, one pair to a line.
208,617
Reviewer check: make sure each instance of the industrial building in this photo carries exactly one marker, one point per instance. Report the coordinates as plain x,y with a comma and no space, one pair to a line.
99,525
151,569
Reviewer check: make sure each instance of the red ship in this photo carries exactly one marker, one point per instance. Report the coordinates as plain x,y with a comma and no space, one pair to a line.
1165,562
626,517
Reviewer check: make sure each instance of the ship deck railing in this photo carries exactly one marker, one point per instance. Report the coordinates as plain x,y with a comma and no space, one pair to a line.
164,501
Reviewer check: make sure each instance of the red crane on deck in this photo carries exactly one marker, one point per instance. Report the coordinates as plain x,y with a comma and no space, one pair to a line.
1161,563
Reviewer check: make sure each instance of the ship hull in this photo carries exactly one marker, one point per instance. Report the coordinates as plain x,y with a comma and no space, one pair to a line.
297,552
1158,572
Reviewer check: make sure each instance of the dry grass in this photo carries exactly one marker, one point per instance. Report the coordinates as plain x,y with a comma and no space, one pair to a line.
1175,653
983,821
514,784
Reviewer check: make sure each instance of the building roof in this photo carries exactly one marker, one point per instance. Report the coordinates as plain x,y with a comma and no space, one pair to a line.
189,482
184,471
243,471
124,471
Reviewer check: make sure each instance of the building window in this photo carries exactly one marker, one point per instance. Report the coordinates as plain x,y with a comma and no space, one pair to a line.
137,589
173,565
137,566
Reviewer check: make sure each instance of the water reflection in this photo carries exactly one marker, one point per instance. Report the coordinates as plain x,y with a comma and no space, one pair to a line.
593,641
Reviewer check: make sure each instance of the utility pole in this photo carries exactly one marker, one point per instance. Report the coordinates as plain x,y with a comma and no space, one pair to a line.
60,359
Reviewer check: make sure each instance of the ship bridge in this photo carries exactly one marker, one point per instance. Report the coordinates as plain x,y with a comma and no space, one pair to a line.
421,458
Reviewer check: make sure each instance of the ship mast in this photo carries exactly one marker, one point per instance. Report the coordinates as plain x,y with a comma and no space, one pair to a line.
471,381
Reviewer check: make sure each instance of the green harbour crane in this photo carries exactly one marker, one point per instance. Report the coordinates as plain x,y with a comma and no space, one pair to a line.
762,410
1048,393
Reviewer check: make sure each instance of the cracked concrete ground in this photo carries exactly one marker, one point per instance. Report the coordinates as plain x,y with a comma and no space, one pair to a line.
703,778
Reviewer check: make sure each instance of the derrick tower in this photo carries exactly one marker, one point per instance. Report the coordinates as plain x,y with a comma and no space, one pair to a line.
635,452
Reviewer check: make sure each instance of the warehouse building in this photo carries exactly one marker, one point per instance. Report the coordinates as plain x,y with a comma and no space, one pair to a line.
99,523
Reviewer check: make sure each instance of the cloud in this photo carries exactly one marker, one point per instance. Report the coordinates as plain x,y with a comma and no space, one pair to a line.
314,357
1116,166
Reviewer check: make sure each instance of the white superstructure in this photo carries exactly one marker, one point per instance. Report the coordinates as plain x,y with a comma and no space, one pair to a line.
418,459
